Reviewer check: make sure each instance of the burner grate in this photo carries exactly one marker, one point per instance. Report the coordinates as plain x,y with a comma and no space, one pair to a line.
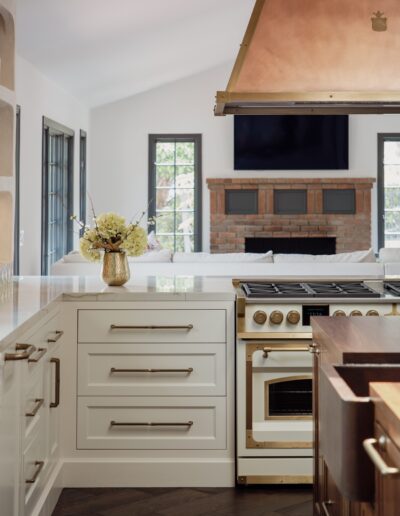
393,287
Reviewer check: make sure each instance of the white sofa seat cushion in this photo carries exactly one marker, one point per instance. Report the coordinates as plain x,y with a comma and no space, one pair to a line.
367,256
223,257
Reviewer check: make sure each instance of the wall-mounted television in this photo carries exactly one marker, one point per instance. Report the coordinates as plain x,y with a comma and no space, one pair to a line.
291,142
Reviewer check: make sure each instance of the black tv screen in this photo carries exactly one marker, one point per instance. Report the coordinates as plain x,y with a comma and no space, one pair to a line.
291,142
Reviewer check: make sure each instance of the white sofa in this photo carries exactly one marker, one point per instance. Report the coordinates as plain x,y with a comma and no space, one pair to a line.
359,265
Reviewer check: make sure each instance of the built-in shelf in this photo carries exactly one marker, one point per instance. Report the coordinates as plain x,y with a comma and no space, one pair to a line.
7,48
6,233
6,140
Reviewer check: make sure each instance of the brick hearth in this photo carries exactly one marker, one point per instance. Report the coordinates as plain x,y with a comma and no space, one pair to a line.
352,231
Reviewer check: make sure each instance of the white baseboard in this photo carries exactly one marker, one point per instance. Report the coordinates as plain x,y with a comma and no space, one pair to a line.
147,473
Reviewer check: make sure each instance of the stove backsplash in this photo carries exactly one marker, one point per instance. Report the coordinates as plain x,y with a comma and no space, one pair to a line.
349,223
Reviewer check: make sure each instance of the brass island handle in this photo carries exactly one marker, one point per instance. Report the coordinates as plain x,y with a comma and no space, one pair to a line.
187,327
116,423
39,466
293,348
39,402
56,402
373,454
23,351
58,335
115,370
41,353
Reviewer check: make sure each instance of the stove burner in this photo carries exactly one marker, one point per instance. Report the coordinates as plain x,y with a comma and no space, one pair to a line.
315,290
393,287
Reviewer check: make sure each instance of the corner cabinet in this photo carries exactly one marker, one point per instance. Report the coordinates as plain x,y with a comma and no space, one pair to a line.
29,420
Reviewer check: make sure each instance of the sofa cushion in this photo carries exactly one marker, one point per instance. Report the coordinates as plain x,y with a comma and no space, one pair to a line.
222,257
355,257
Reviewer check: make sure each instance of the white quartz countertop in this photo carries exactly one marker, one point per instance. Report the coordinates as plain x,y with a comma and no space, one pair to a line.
32,296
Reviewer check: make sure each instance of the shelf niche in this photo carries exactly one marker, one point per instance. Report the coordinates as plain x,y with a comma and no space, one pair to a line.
6,140
6,228
7,49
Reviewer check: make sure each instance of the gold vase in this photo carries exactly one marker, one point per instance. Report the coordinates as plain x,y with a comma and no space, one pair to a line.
115,271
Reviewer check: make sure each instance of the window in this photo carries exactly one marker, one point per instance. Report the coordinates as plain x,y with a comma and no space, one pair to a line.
175,190
389,190
82,179
57,192
17,190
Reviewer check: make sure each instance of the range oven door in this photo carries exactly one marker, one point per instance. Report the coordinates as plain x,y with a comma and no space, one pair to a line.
278,394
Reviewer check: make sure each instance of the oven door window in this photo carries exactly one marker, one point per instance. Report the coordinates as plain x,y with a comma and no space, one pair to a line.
288,398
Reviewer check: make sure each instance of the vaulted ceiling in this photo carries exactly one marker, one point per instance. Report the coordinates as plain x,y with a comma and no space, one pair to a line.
105,50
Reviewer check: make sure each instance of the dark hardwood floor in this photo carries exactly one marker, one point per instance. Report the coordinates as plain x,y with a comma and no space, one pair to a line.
265,501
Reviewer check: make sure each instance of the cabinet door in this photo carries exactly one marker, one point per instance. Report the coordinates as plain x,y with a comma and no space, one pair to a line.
9,437
387,486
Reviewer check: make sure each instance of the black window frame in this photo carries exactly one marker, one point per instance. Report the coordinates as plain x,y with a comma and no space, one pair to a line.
82,177
47,126
198,211
17,196
382,138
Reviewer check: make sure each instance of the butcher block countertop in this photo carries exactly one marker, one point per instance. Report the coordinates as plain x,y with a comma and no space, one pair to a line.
359,340
387,395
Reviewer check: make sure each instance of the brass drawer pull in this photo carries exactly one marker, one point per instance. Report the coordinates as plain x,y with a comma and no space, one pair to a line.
325,506
116,423
186,327
293,348
39,402
58,335
373,454
56,402
41,353
23,351
39,466
115,370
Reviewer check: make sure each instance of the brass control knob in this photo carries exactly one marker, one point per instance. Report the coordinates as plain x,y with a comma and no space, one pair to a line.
260,317
276,317
293,317
372,312
355,313
339,313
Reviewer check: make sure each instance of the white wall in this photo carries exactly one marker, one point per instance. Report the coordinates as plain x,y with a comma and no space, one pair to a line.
38,96
119,147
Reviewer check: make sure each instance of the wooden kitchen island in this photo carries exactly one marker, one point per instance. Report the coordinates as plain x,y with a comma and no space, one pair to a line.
357,427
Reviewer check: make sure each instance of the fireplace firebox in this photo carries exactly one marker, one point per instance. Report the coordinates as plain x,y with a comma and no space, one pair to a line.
291,245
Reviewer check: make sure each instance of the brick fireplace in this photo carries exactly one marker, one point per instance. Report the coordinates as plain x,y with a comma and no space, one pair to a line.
289,207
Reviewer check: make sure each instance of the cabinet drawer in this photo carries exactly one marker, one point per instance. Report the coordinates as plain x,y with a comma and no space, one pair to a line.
34,466
151,326
45,333
182,423
34,403
151,370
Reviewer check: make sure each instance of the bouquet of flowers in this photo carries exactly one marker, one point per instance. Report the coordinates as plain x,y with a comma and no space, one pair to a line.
111,234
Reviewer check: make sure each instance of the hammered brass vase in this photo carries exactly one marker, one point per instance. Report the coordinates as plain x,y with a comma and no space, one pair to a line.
115,271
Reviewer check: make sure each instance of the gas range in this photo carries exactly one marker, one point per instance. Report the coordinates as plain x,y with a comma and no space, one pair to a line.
285,307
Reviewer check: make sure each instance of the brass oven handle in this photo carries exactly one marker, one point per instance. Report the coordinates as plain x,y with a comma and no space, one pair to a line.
325,507
23,351
56,402
115,370
293,348
373,454
116,423
58,333
151,327
41,353
39,402
39,466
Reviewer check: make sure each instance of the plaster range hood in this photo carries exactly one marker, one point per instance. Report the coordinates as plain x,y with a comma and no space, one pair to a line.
317,57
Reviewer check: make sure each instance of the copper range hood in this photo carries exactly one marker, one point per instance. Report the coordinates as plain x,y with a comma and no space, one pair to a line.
317,57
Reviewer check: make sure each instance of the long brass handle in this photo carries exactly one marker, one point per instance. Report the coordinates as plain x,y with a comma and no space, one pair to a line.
39,466
56,402
23,351
325,507
293,348
115,370
116,423
41,353
39,402
187,327
58,333
374,455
